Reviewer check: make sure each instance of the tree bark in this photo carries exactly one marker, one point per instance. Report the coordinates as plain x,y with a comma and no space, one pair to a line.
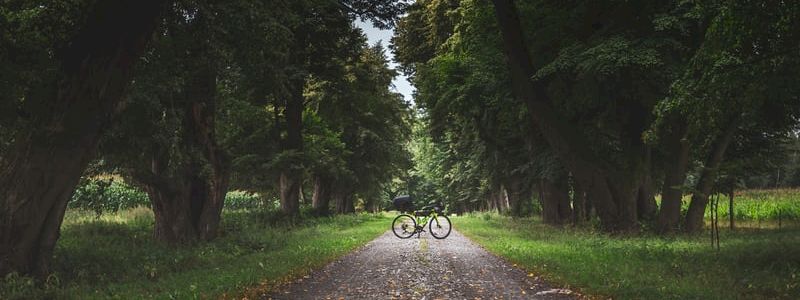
646,200
730,210
370,204
502,199
518,195
491,201
676,145
186,208
291,177
694,216
343,200
613,204
42,168
580,210
188,200
211,186
556,208
322,195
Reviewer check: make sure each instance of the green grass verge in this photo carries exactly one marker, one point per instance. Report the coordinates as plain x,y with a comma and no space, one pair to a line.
752,264
115,256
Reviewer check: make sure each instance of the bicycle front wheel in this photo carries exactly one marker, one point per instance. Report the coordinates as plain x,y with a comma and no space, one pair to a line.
404,226
440,227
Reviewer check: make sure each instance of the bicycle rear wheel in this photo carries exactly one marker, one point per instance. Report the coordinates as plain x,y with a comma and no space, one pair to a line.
404,226
440,227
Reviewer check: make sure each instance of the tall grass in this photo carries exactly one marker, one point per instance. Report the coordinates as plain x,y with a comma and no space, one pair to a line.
114,256
762,205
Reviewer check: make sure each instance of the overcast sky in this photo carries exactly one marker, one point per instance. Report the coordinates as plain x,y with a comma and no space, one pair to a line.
374,35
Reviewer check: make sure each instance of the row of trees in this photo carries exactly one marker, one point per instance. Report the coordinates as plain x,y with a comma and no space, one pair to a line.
597,106
187,100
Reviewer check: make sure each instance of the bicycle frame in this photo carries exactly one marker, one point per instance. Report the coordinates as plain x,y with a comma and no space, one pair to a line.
422,221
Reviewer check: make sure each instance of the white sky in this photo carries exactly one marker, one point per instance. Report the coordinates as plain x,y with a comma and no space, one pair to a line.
374,35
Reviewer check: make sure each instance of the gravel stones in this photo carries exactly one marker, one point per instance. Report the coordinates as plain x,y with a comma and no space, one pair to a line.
419,268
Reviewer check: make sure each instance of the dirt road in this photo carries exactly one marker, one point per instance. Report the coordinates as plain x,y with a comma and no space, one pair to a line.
424,268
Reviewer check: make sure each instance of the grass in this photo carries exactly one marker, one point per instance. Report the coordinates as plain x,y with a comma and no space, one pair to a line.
115,257
752,263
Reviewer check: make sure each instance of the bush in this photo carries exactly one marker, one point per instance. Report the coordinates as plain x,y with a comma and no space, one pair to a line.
243,200
107,195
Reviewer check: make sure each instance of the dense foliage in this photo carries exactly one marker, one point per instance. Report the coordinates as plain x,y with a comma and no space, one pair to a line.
594,107
283,101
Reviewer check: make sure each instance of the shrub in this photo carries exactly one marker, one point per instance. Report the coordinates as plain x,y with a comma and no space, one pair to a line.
243,200
107,195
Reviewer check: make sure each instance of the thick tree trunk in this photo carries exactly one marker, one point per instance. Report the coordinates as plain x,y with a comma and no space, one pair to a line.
188,203
491,201
556,208
343,200
185,209
171,198
42,168
370,204
290,193
322,194
615,206
646,200
291,178
209,188
676,145
694,216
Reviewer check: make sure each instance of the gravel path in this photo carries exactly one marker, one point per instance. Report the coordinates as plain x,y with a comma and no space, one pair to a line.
424,268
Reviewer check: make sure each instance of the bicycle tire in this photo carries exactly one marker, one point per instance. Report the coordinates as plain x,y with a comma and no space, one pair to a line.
438,221
404,233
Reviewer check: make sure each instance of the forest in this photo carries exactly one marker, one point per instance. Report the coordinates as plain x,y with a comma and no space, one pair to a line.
265,139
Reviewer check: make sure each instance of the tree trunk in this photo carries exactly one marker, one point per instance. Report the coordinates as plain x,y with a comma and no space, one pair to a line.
370,204
580,211
646,200
694,216
676,145
291,177
501,195
343,200
185,209
290,193
615,206
322,195
730,210
555,201
492,201
210,188
517,195
171,198
42,168
188,201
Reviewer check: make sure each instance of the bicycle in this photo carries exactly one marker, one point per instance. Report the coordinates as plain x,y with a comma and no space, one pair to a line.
405,226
